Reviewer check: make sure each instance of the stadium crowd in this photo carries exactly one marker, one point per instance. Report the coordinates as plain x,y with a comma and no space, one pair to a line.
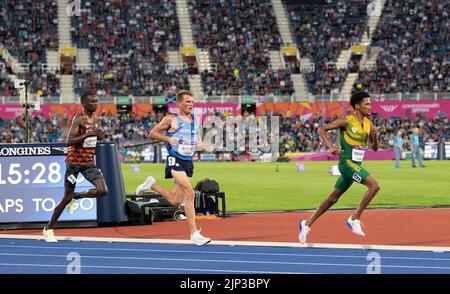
238,36
27,29
296,135
129,40
414,37
322,32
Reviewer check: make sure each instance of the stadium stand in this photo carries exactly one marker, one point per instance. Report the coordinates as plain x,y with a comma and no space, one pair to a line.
238,36
128,41
415,55
322,32
27,29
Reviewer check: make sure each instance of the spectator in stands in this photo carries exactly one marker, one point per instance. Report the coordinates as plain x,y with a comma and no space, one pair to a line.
398,147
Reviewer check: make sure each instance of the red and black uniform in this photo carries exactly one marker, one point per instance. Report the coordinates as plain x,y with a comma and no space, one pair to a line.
80,158
79,155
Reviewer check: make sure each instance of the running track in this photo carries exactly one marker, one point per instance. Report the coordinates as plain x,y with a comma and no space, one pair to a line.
37,257
263,244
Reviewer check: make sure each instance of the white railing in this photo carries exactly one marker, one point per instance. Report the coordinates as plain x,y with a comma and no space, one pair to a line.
368,66
84,67
20,67
50,100
305,68
252,99
292,98
10,100
50,67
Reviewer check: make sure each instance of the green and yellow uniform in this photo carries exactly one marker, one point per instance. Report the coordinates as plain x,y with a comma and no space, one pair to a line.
353,145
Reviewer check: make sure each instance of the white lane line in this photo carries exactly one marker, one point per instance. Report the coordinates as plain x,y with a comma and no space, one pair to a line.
152,268
219,252
227,261
238,243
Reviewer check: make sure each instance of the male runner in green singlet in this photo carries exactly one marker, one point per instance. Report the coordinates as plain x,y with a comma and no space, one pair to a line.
355,131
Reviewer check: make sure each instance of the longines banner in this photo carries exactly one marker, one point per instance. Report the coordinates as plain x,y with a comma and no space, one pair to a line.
429,108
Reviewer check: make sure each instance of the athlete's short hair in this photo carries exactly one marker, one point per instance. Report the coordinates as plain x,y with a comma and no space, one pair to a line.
358,97
181,93
85,96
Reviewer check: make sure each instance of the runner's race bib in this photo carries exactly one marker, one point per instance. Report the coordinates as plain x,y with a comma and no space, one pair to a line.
90,142
358,153
186,149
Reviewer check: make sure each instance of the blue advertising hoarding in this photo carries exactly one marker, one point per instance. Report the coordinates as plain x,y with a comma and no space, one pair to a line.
32,184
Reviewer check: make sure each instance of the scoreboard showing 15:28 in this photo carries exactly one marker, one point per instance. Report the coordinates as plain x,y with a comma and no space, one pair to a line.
32,184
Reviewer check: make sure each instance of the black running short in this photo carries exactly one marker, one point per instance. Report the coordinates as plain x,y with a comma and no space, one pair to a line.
177,164
89,172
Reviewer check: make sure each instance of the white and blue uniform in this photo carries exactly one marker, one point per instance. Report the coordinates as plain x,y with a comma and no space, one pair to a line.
180,155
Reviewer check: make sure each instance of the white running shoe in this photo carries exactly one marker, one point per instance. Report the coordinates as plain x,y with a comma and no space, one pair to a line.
355,226
49,236
146,185
198,239
303,231
71,206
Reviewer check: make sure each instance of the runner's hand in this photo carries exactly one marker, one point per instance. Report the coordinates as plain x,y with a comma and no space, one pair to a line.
173,141
334,150
373,130
95,133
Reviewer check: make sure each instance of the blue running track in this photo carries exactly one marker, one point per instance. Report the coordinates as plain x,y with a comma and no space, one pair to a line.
36,257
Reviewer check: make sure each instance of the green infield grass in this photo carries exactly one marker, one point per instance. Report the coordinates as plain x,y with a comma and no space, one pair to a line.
257,186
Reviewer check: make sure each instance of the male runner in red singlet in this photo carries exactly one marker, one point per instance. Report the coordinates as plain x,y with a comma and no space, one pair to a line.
82,138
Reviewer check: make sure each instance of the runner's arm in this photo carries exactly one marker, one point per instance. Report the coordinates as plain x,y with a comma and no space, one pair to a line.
373,137
322,130
157,133
73,138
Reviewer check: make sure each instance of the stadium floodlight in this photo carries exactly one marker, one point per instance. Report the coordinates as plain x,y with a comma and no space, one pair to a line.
23,87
